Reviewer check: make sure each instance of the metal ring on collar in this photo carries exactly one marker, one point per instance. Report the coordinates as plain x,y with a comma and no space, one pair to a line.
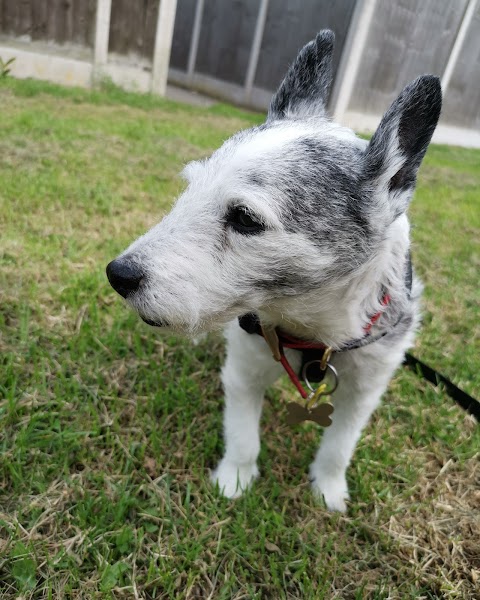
328,367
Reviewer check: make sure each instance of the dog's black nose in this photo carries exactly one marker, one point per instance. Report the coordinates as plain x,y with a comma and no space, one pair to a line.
123,276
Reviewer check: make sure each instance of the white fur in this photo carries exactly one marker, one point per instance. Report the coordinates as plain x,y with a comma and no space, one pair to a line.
332,214
195,293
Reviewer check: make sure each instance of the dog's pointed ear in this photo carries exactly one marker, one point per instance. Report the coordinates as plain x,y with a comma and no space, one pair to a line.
305,89
398,146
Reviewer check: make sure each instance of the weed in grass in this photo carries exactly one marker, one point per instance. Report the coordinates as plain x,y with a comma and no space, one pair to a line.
108,429
5,67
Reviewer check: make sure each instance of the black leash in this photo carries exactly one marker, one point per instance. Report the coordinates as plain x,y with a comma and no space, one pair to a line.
461,398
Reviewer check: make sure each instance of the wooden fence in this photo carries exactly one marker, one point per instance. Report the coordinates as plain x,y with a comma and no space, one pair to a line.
239,50
59,21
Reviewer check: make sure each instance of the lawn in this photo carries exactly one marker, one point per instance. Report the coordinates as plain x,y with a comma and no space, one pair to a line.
109,428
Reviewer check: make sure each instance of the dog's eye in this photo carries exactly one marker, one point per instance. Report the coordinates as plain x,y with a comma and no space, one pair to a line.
244,222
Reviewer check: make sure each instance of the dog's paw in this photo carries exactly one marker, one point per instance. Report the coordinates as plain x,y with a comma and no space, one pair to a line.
334,490
233,479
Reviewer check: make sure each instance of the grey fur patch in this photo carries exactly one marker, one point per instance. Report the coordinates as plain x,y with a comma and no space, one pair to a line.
320,196
255,178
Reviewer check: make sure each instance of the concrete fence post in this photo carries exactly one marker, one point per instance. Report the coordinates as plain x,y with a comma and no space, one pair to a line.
192,54
102,33
457,45
352,54
255,50
163,46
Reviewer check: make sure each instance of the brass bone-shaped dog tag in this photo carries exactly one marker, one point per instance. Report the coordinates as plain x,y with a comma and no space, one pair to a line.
296,413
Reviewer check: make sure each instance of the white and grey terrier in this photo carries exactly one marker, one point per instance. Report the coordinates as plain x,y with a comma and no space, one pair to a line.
304,225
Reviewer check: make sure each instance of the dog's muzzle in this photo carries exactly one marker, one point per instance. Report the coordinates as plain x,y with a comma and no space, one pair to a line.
124,276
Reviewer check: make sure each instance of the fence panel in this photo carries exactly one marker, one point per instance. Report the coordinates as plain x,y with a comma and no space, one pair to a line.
407,38
132,27
461,105
51,20
290,25
182,34
226,39
15,17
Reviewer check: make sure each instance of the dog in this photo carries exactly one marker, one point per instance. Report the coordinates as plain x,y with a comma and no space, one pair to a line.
303,225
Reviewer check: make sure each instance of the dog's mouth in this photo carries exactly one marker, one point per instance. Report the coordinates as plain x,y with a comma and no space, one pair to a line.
214,322
154,323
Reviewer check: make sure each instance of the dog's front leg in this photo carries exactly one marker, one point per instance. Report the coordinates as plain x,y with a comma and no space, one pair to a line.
361,384
249,369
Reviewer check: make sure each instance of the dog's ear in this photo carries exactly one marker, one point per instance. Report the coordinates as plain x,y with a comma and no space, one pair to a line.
399,144
305,89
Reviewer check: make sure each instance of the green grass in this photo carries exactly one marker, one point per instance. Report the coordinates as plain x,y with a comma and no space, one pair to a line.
108,429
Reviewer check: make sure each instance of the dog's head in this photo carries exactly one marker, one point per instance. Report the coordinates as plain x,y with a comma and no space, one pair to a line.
292,206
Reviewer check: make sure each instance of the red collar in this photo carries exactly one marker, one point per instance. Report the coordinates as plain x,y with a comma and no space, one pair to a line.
278,341
289,341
